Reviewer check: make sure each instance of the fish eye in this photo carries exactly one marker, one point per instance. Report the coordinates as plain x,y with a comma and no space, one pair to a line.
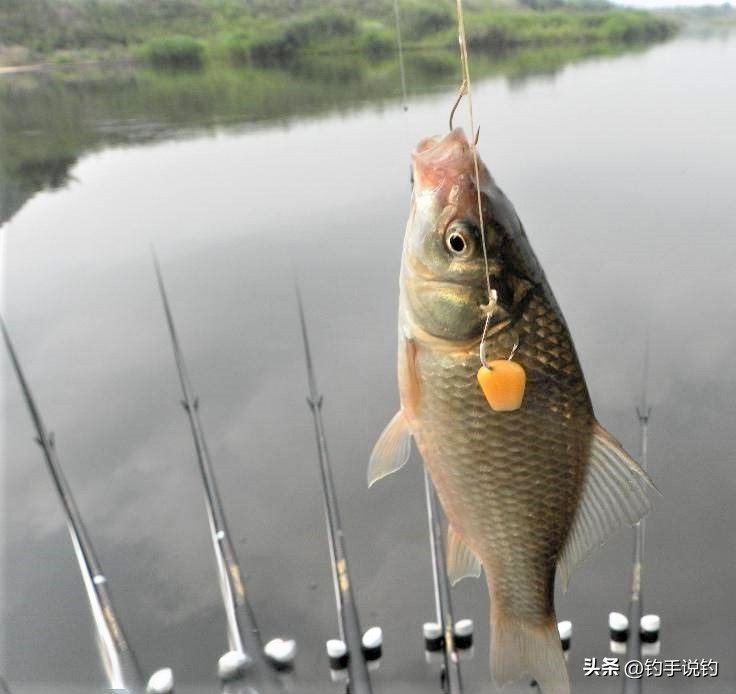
459,240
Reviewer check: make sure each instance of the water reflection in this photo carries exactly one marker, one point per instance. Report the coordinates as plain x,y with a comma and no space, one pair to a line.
622,172
50,120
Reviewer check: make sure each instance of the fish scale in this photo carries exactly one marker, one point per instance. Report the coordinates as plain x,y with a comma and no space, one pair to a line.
516,467
527,490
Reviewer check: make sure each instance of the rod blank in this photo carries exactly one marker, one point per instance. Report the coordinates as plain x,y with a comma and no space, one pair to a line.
356,666
241,623
451,678
118,660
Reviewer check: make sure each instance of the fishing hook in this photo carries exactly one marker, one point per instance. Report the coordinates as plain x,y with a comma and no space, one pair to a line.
493,331
461,93
483,356
514,348
489,309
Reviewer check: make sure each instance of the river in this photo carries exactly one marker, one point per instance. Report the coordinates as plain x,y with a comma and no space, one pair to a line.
622,168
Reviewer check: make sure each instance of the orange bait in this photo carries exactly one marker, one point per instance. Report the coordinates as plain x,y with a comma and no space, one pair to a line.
503,384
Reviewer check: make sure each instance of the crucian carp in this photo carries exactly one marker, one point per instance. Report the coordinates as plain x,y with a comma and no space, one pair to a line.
529,489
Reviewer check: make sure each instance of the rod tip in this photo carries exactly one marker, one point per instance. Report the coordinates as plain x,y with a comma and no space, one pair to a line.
464,627
565,629
232,665
618,621
281,653
337,652
651,622
618,627
336,648
161,682
372,643
463,632
649,627
432,633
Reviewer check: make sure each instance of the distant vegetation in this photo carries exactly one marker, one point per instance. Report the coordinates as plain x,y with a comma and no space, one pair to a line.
713,16
49,120
174,33
175,51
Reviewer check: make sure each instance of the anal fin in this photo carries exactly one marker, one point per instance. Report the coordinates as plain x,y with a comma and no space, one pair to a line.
461,560
391,450
616,491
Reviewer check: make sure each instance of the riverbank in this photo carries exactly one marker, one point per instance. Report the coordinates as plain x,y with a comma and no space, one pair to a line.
191,33
52,115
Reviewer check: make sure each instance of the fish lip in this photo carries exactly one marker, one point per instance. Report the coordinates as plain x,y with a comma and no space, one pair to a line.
439,159
444,170
439,143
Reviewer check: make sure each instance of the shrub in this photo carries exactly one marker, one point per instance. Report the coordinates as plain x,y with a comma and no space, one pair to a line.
237,48
283,42
175,52
376,39
420,20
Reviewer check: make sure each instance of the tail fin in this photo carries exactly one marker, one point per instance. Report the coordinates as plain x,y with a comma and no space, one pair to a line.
519,647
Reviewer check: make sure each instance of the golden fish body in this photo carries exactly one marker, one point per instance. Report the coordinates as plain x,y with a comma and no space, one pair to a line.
509,482
524,491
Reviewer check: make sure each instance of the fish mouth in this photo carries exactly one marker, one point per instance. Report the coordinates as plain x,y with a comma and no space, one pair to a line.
437,159
444,167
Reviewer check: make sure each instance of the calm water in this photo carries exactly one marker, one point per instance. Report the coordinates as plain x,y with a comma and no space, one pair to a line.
623,171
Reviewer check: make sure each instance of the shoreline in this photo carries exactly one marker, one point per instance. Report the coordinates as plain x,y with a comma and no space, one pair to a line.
36,68
270,38
46,67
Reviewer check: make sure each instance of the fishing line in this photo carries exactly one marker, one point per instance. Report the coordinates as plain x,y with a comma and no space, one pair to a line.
502,381
401,55
402,73
465,90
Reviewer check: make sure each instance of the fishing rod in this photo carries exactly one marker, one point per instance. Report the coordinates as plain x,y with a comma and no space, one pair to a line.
118,660
353,653
633,651
242,628
443,635
636,621
636,635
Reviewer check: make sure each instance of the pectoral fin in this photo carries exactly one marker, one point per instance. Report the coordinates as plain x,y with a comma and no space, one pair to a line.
616,491
408,380
391,450
461,560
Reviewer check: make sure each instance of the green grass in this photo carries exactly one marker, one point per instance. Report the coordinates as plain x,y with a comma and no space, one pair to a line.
51,119
498,29
175,52
187,33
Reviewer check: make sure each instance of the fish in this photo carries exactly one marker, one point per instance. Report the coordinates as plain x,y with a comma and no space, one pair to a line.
527,493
